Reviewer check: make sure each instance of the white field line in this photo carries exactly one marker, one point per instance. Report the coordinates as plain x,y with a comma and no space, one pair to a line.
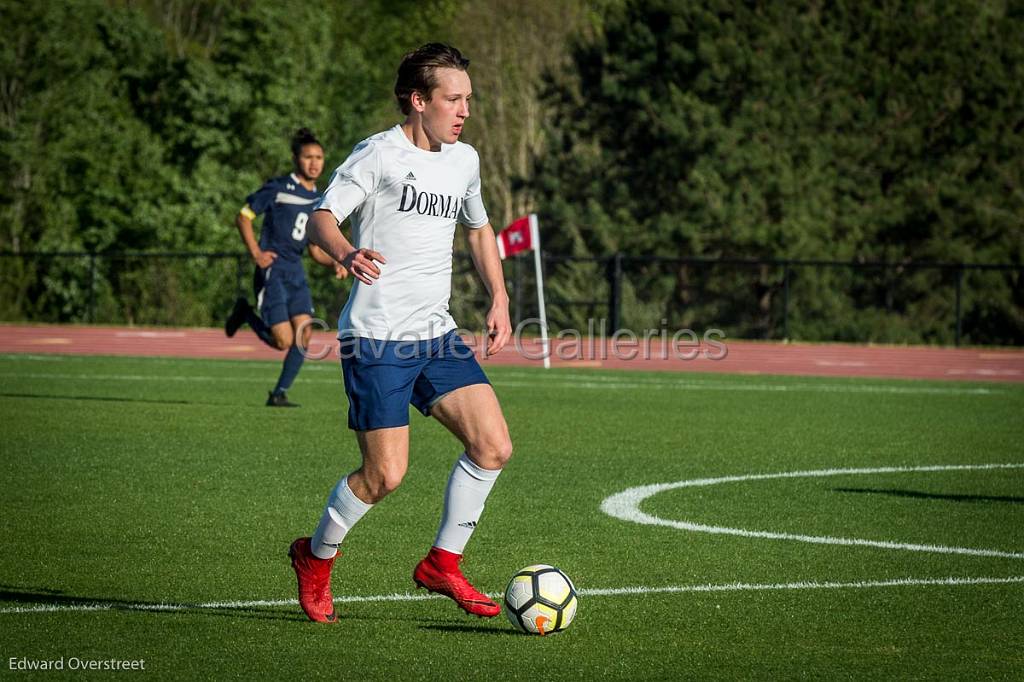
626,507
192,378
590,382
585,592
773,388
613,380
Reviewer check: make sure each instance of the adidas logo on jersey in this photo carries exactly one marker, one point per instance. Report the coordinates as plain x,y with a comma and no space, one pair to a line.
410,176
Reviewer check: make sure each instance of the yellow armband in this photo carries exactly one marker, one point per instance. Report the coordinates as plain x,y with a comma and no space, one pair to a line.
248,212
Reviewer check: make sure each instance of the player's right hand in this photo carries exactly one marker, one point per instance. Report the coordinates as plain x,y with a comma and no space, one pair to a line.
361,263
265,259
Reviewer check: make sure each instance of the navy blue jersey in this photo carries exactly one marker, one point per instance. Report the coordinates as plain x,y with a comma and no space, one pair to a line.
287,205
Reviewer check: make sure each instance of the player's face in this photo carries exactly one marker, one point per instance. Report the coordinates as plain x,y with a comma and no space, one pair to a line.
310,162
448,107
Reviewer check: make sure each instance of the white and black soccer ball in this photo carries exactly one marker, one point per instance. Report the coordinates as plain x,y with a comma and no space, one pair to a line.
540,599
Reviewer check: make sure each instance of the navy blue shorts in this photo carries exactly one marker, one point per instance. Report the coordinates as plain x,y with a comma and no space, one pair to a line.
281,293
382,378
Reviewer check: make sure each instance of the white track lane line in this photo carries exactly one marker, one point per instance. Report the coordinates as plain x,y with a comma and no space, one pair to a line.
585,592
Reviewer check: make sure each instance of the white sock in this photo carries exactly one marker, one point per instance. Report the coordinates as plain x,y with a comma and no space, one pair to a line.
464,498
341,513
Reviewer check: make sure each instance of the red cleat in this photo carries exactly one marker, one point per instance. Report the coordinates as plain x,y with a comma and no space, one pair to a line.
314,576
439,572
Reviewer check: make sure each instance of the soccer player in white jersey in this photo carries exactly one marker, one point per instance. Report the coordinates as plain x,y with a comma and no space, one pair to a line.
404,190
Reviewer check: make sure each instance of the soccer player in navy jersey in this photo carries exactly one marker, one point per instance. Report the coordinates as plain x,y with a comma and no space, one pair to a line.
403,191
284,305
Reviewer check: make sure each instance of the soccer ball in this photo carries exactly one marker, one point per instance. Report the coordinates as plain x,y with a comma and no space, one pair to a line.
540,599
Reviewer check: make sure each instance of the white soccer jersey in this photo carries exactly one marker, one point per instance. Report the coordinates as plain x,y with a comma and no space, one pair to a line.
404,202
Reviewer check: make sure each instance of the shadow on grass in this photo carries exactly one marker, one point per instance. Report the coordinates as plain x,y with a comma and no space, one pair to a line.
917,494
462,629
43,396
44,600
38,600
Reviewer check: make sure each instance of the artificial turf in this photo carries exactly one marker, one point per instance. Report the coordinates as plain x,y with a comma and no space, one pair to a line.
133,483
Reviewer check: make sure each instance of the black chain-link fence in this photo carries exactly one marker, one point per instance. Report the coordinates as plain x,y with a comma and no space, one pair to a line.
941,303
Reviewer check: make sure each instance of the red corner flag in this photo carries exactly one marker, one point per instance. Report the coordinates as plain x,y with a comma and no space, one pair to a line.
515,238
524,235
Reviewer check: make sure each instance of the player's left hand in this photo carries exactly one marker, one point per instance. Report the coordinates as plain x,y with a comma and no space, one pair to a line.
499,328
340,272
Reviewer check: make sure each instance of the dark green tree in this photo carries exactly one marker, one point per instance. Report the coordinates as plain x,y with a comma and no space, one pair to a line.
773,130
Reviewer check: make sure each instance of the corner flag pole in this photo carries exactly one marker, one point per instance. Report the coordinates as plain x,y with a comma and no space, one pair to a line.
535,239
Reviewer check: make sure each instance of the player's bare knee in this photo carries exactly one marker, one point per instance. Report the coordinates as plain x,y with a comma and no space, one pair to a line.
504,452
382,482
491,453
283,341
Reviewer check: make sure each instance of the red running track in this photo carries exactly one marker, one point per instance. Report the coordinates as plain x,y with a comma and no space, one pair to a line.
742,357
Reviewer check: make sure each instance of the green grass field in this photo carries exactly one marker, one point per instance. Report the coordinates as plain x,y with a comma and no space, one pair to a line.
132,483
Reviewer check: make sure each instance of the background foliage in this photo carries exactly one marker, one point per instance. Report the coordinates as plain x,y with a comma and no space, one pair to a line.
840,131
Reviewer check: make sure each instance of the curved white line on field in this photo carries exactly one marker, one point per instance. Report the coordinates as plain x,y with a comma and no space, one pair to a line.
626,506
